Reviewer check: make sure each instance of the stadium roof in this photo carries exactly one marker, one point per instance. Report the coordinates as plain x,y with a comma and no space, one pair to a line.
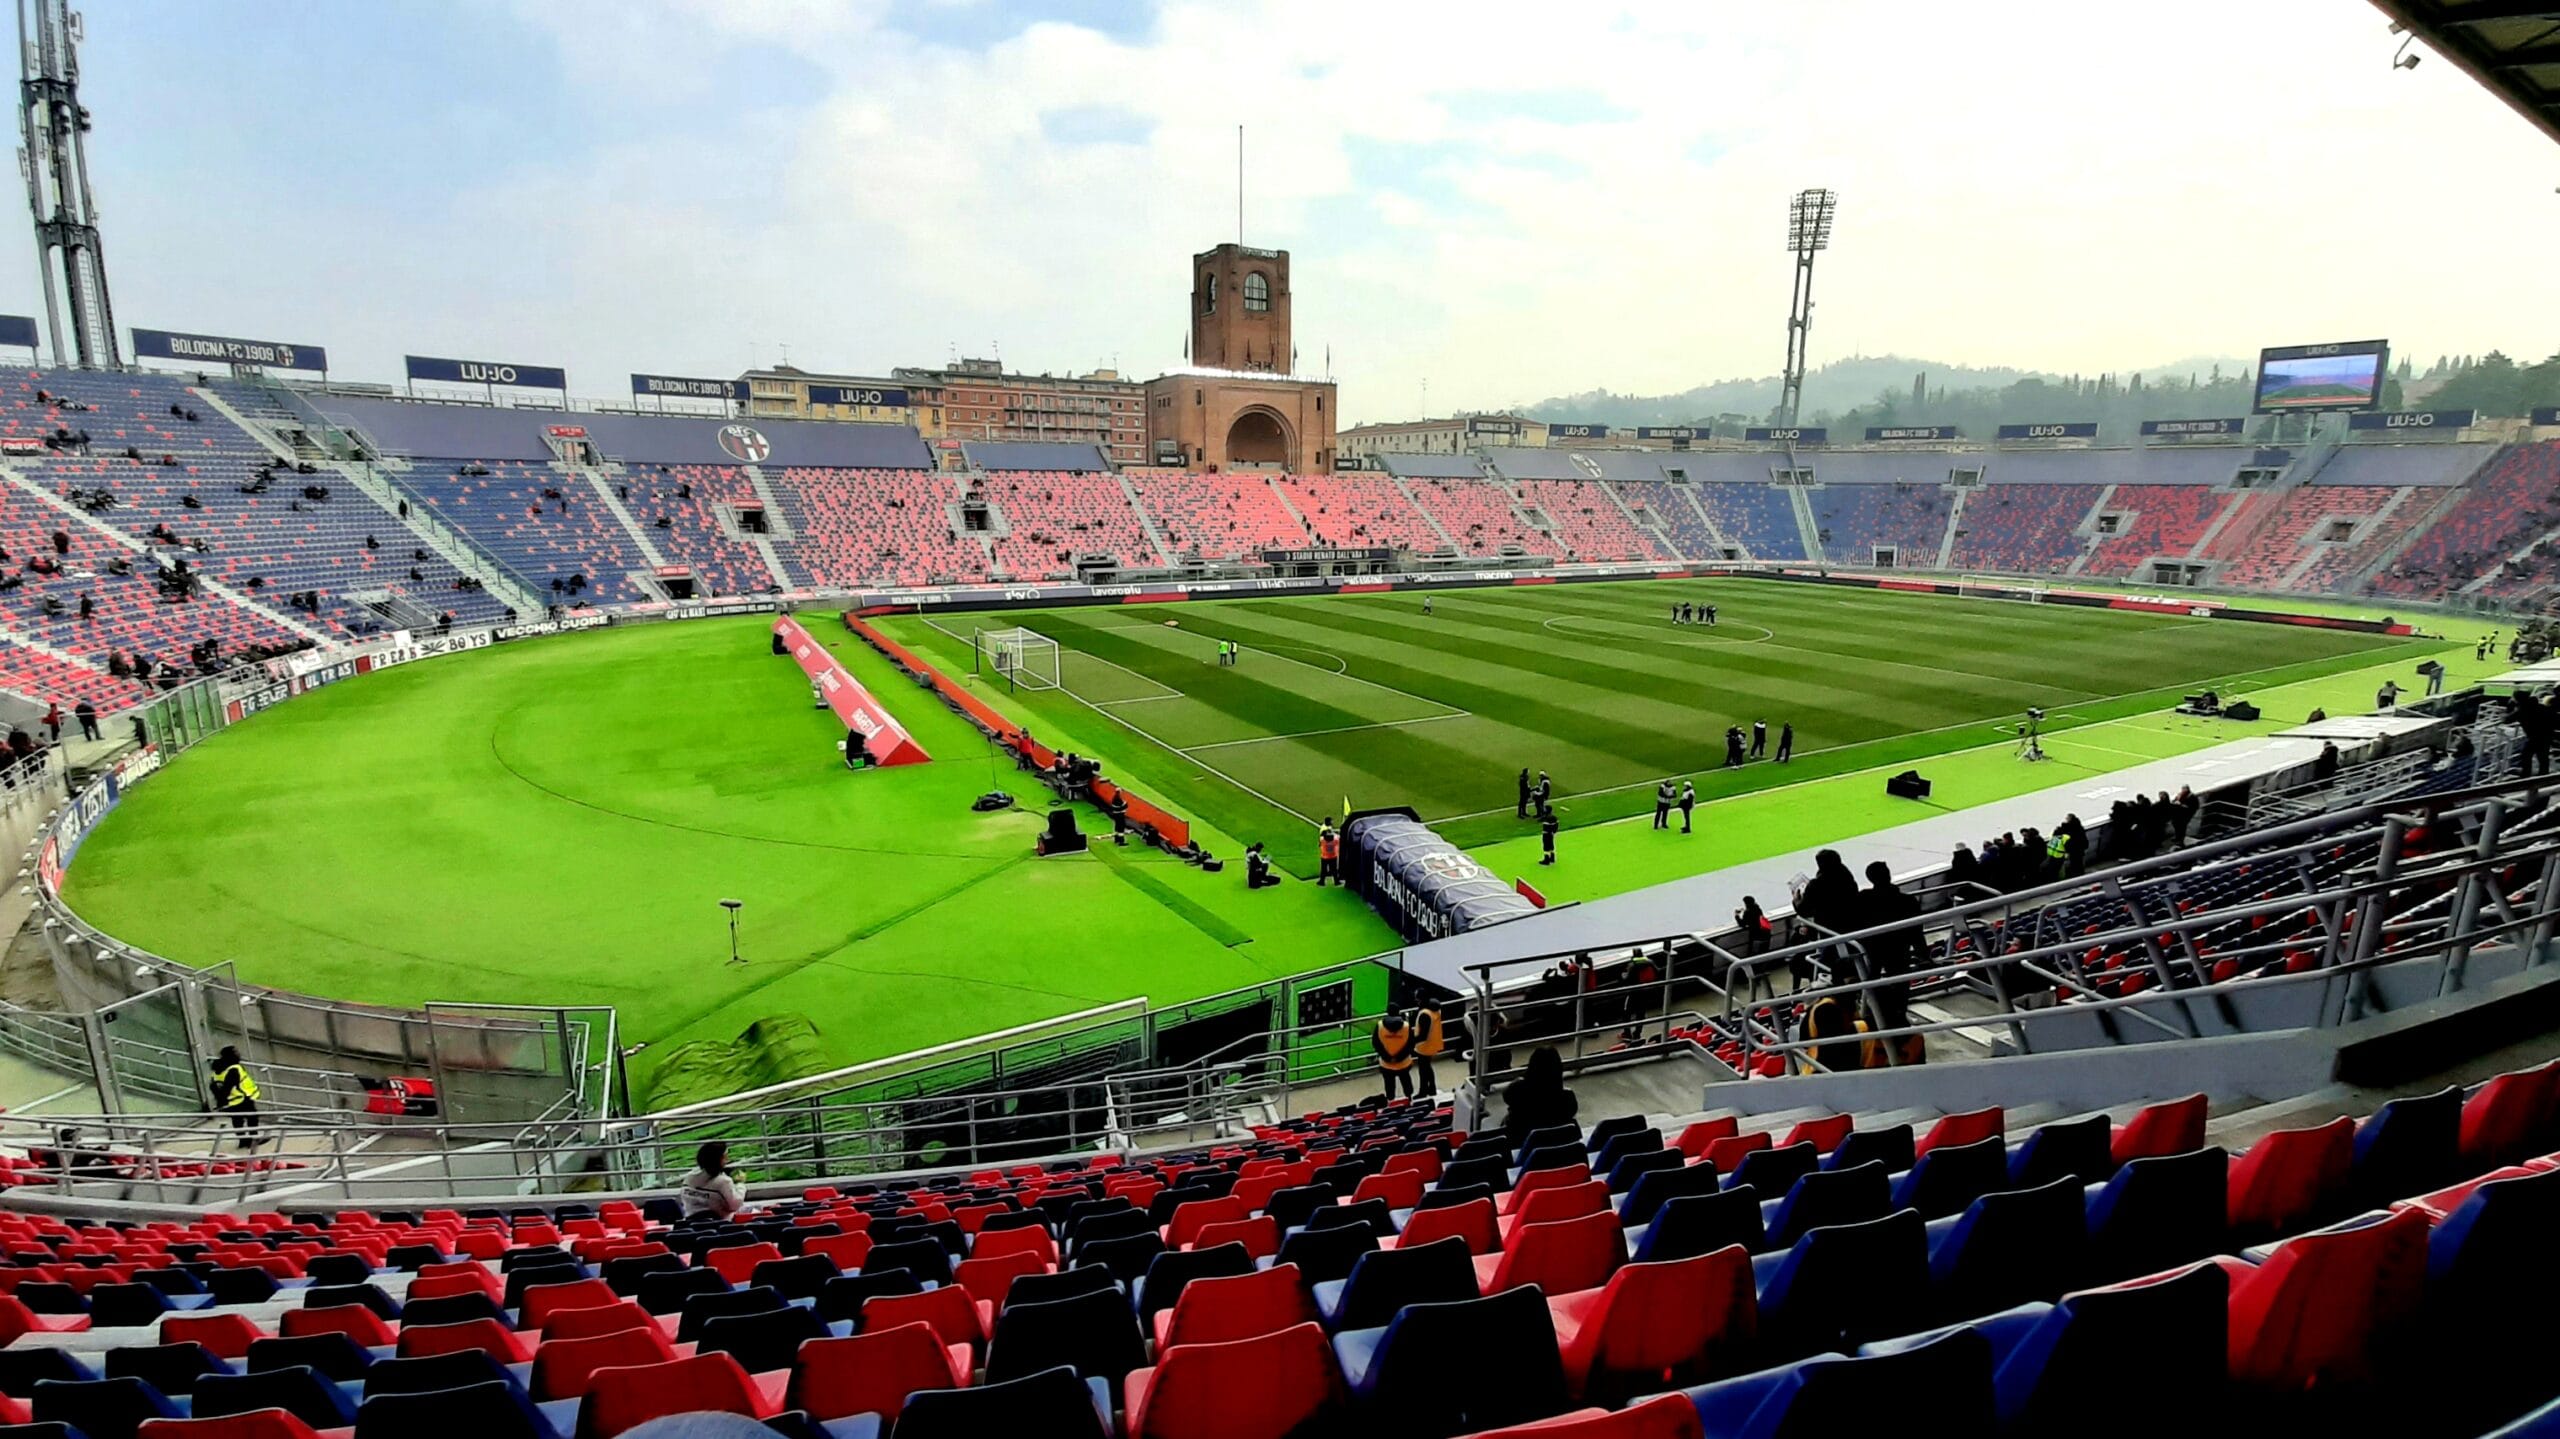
2511,46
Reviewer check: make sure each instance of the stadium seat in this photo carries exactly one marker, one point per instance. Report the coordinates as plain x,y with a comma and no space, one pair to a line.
1825,1197
1093,1335
2157,1213
451,1309
2312,1311
952,1313
1169,1273
2173,1126
417,1341
1951,1376
1559,1258
594,1320
703,1308
255,1424
1771,1171
623,1399
1892,1146
1654,1325
171,1369
100,1408
2008,1248
2408,1146
1053,1404
301,1392
667,1293
224,1334
1322,1254
1263,1388
874,1373
1665,1416
1438,1272
763,1342
337,1356
1842,1286
2506,1117
797,1278
1693,1224
1950,1176
1220,1309
844,1297
2487,1260
1504,1346
566,1368
2290,1178
1554,1202
2081,1150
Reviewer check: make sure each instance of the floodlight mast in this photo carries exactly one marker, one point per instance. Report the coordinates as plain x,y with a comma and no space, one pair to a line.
53,128
1808,234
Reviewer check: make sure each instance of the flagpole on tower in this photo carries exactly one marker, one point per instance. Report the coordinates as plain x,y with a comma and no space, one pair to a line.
1239,186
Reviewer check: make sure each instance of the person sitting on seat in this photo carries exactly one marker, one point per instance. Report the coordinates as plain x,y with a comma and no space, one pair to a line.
709,1190
1538,1099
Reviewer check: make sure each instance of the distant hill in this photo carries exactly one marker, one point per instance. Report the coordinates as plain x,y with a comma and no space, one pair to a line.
1834,388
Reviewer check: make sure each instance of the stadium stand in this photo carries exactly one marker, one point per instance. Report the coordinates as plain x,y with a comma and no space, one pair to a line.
1858,520
866,526
540,521
1759,517
1683,528
1052,516
1358,510
680,507
1588,522
1480,516
2510,501
2158,521
1222,516
2027,529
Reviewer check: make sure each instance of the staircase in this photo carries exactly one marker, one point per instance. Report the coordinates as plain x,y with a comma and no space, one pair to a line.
1304,524
2088,537
1689,497
1428,518
603,486
1807,528
1955,522
776,522
1147,522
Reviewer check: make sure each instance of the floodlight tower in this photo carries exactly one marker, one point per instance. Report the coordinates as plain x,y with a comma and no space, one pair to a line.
53,156
1808,234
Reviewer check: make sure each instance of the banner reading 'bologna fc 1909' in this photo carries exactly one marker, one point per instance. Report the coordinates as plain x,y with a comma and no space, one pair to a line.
684,387
18,330
225,350
487,372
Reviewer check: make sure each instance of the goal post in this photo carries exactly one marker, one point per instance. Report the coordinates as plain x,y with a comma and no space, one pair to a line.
1021,659
2001,587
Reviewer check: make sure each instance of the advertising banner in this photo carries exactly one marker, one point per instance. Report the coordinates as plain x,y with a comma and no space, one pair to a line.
1577,432
2071,430
18,330
887,741
2412,420
857,395
1785,435
224,350
685,387
1883,434
2191,427
487,372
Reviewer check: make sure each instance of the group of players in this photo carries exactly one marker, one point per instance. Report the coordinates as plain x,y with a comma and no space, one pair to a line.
1688,612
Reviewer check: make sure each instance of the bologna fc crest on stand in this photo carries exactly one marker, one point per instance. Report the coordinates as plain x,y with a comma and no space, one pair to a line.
744,443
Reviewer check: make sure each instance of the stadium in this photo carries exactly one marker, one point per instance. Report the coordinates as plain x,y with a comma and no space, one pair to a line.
588,916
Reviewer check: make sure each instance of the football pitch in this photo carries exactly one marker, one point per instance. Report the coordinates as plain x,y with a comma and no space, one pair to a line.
1368,699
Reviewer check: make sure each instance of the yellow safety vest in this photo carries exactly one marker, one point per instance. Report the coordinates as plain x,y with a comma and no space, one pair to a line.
1394,1058
243,1088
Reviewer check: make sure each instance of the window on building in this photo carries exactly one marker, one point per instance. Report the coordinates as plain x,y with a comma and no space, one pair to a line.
1257,293
1208,292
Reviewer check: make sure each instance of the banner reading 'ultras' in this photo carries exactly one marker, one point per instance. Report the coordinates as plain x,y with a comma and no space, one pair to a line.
18,330
2191,427
487,372
1876,433
883,737
2074,430
2412,420
1786,435
225,350
857,395
680,387
1577,432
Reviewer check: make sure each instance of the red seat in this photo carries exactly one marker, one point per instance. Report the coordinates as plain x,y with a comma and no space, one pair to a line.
1968,1128
1260,1235
1536,1180
1665,1416
2288,1177
1034,1242
1727,1152
596,1319
1564,1201
952,1313
480,1244
1401,1189
467,1278
1265,1388
1425,1162
847,1250
2435,1204
1473,1221
17,1319
621,1399
988,1277
256,1424
1695,1138
1823,1134
2312,1312
873,1373
1559,1258
566,1368
2173,1126
1656,1325
1237,1306
353,1320
541,1301
1188,1218
417,1341
2504,1118
738,1262
225,1334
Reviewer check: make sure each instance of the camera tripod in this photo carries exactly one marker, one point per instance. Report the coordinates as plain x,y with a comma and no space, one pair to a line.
2030,743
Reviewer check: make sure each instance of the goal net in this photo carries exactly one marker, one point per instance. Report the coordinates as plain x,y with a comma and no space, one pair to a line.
1019,658
2001,587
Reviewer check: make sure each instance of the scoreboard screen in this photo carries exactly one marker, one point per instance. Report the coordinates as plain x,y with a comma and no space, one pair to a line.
2322,377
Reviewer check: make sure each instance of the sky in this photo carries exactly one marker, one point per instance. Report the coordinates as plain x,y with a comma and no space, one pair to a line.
1486,203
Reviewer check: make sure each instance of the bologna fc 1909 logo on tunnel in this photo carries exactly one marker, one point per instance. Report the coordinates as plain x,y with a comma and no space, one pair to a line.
745,443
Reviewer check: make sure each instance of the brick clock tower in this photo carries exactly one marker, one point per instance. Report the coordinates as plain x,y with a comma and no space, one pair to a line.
1237,406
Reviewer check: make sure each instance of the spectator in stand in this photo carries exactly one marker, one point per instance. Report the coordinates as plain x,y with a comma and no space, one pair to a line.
1828,902
1891,954
22,746
87,714
1538,1099
708,1190
53,721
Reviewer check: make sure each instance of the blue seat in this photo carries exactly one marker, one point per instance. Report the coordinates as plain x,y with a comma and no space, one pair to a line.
1547,1138
1694,1224
1169,1273
51,1296
1444,1369
22,1367
1842,1286
1323,1254
170,1368
1094,1335
1951,1176
337,1356
1045,1288
2489,1263
300,1392
1892,1146
1652,1191
1823,1198
1566,1155
1053,1404
1624,1174
333,1269
1371,1213
100,1408
765,1341
482,1411
454,1309
2081,1149
1775,1171
2408,1147
2008,1248
234,1286
1126,1257
701,1309
1492,1170
171,1282
1606,1157
2158,1213
1441,1272
428,1373
1942,1387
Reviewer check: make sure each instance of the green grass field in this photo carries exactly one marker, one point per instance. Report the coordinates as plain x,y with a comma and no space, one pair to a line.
1365,697
553,822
